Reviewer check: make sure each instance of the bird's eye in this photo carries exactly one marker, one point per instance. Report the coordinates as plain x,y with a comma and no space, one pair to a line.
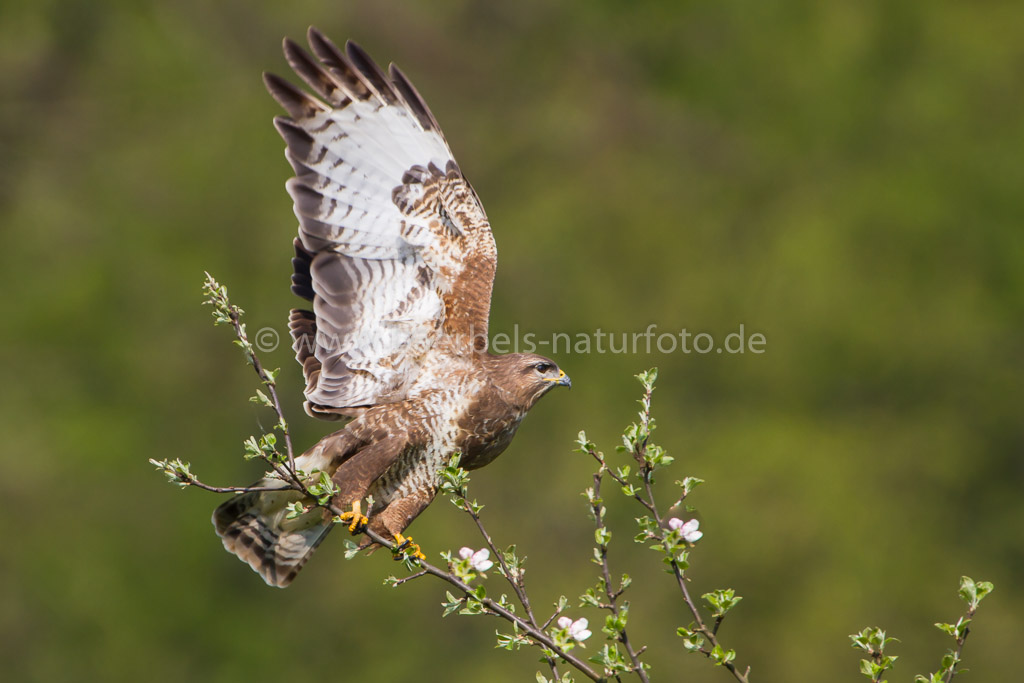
544,368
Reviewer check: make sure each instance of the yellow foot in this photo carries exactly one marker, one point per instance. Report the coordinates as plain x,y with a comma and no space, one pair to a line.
407,547
357,519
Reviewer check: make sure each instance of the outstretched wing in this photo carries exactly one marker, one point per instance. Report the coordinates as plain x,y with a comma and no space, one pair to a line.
394,249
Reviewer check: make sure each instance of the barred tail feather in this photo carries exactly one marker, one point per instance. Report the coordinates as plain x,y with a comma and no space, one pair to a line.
254,526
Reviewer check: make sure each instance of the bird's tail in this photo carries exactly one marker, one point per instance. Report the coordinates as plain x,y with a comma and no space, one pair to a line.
255,527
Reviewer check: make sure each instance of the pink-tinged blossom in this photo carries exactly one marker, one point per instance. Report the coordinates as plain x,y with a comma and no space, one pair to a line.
687,529
477,560
577,629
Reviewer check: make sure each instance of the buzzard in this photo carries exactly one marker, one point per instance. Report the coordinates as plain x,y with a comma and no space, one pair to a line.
396,259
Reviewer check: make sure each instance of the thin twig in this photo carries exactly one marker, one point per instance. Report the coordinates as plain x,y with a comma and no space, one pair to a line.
701,627
269,383
619,480
494,608
613,596
514,579
405,579
548,621
231,489
959,648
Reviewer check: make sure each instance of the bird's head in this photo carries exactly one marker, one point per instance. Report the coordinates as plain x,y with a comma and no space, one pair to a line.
525,377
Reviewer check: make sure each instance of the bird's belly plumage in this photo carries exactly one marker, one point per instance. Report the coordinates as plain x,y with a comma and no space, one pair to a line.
418,466
455,421
416,470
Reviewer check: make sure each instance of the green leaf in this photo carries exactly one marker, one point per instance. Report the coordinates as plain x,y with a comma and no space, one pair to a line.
252,448
295,509
692,640
614,625
514,562
177,471
585,445
871,639
648,378
721,601
656,457
721,656
974,592
506,642
323,487
473,607
611,660
451,603
688,484
968,590
589,598
262,399
648,529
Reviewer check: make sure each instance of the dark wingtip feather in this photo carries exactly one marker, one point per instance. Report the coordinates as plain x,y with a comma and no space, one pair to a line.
292,51
413,99
298,104
302,282
355,84
313,33
324,48
307,201
371,72
315,76
299,142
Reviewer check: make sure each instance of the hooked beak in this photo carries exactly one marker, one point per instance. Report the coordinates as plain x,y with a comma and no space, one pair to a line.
561,381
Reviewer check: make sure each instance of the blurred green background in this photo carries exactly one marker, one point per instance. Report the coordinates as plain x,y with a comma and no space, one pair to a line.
845,178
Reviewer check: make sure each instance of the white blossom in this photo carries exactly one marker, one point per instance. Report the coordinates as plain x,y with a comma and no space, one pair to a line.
478,560
688,529
577,629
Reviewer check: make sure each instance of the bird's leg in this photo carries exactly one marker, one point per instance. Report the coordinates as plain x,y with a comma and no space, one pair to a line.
397,515
357,519
408,547
355,476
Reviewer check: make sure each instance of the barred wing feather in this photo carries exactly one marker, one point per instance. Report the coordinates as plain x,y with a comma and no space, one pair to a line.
394,249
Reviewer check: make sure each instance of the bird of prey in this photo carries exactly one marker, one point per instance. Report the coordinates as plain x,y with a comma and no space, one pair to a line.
396,259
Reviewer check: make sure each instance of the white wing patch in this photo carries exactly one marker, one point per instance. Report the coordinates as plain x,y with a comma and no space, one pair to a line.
371,223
